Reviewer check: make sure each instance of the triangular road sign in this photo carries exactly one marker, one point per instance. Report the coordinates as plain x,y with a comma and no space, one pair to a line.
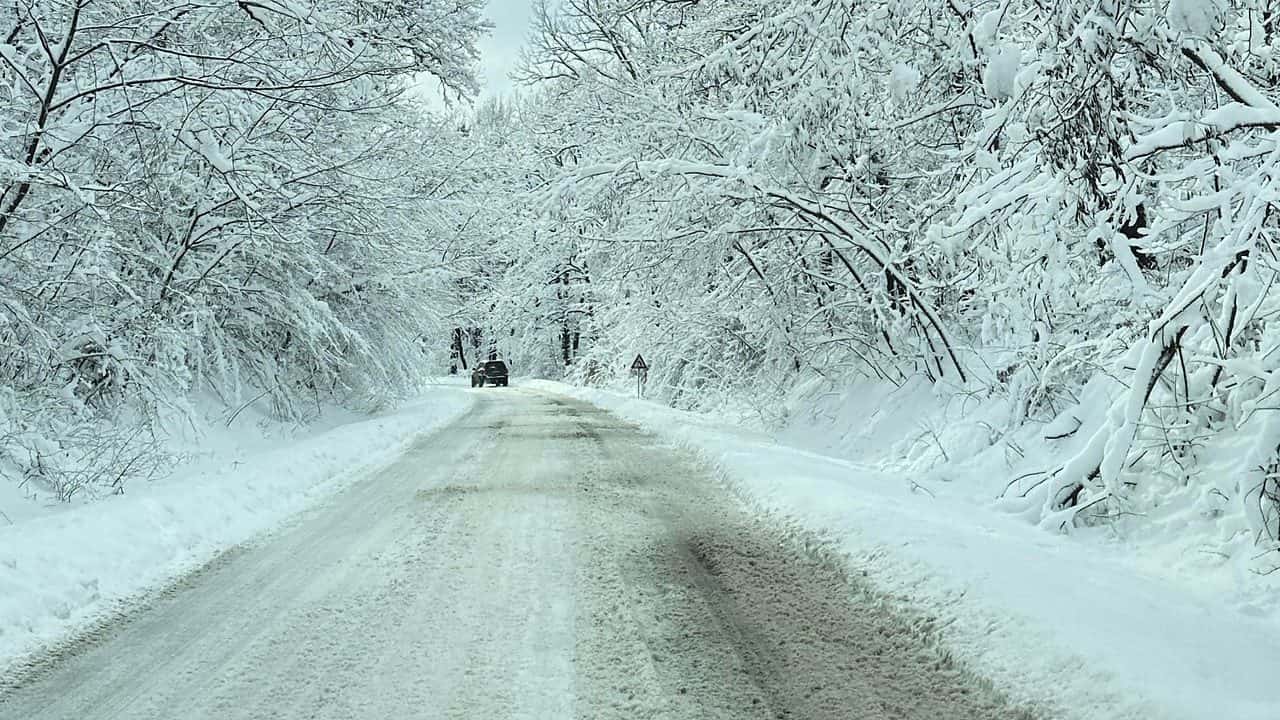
639,363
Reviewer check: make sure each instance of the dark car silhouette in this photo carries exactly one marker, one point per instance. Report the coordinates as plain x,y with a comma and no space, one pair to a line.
493,372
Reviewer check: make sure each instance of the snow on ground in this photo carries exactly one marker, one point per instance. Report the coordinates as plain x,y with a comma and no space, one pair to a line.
63,566
1102,628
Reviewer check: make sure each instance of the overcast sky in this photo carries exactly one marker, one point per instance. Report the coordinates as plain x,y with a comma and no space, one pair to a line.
499,50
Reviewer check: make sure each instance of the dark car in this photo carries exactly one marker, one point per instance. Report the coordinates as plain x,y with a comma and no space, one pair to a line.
494,373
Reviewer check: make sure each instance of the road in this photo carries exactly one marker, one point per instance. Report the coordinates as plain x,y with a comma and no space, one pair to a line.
539,559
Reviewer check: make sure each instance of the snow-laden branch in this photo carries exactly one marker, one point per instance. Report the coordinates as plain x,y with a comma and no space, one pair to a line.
1185,133
807,207
1251,109
1227,77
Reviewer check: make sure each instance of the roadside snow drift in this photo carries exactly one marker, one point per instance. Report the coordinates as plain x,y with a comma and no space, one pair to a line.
61,570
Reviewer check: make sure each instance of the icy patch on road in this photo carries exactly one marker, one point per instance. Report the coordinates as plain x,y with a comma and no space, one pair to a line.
1051,619
61,569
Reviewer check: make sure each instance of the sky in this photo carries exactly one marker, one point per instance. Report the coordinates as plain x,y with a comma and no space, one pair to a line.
500,50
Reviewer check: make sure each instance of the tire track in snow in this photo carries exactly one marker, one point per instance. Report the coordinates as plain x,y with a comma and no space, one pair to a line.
739,619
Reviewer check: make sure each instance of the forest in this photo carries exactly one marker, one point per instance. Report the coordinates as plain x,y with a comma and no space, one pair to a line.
1064,207
222,199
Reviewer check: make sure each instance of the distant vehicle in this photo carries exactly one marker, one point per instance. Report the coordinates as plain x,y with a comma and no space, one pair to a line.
495,373
477,376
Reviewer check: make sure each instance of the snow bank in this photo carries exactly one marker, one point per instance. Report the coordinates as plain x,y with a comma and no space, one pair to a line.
1098,634
60,570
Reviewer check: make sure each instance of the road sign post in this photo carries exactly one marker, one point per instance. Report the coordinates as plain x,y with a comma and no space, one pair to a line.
640,369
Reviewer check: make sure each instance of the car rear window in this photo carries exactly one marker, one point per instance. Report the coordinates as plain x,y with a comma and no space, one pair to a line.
495,365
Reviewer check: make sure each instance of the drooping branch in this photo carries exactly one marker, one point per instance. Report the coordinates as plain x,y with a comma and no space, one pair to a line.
806,207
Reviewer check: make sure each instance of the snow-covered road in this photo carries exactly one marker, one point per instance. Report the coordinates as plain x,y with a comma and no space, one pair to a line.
537,559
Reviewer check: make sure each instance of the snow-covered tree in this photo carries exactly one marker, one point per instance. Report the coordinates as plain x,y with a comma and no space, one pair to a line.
220,197
1065,205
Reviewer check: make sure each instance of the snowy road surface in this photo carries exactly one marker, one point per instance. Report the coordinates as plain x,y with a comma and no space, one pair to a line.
537,559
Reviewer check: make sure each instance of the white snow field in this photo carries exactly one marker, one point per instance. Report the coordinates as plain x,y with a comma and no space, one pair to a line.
1092,627
65,567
